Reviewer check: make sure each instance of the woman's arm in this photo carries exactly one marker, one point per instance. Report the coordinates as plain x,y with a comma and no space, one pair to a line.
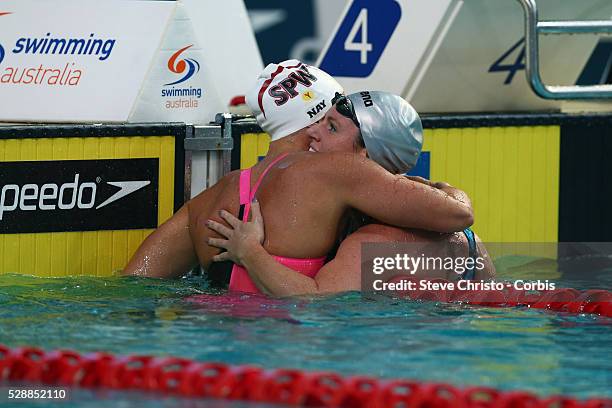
454,192
393,199
167,252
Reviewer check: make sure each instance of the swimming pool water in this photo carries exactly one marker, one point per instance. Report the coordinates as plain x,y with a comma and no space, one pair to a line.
507,348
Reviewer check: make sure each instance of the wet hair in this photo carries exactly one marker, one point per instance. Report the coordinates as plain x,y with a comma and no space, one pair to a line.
359,143
353,220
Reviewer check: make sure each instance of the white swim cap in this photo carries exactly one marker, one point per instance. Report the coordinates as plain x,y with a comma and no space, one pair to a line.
390,127
290,96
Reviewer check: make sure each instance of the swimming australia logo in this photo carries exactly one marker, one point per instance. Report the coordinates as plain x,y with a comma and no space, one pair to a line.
182,96
78,195
180,66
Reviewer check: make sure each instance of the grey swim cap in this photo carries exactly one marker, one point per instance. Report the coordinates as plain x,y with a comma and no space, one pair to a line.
391,129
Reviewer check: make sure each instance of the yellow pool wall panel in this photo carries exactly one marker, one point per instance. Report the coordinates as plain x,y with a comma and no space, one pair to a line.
94,253
252,147
510,173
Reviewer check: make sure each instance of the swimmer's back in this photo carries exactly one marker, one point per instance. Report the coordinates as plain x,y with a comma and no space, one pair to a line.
300,212
207,205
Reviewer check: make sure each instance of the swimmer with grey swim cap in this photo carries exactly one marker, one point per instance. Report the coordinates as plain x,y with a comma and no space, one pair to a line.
390,127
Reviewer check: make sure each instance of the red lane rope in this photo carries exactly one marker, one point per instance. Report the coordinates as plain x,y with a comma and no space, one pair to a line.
593,301
188,378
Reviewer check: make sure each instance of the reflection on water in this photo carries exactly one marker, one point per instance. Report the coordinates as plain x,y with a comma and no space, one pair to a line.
547,353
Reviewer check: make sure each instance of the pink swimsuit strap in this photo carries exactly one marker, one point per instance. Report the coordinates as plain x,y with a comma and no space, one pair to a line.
246,192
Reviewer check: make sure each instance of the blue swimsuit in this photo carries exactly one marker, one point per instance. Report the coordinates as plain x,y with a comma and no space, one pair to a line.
470,273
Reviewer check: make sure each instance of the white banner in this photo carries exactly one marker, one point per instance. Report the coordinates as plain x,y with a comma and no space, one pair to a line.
386,44
76,60
208,56
455,56
481,63
224,32
179,85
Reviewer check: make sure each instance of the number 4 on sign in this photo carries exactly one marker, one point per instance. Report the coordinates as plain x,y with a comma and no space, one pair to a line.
512,69
364,46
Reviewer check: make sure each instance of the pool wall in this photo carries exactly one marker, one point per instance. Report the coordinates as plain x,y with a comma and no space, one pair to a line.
533,177
64,224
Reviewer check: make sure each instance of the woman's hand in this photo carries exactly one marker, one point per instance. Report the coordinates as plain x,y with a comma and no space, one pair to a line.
241,239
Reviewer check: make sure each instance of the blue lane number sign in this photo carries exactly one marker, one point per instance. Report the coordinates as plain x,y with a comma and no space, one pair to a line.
361,38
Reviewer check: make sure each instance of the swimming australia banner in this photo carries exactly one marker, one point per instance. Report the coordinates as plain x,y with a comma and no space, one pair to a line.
122,61
76,60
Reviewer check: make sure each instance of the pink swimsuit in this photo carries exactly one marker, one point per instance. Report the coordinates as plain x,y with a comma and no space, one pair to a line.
240,280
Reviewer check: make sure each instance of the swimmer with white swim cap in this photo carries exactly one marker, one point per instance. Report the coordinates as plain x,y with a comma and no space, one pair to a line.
387,129
292,90
287,98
